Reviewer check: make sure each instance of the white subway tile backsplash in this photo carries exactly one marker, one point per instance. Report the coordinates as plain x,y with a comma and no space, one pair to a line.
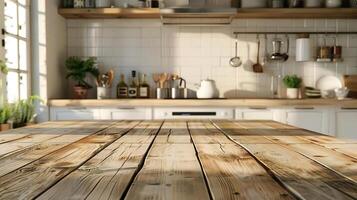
200,52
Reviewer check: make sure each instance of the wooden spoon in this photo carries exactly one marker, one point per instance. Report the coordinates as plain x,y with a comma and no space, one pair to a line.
163,78
258,68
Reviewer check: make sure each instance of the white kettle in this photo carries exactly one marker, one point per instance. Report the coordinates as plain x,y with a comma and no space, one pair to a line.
207,90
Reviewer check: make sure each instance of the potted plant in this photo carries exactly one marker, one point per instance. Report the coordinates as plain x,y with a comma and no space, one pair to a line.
293,84
24,112
77,70
3,71
5,115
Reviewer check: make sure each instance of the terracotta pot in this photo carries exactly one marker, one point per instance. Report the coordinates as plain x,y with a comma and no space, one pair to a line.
5,127
80,92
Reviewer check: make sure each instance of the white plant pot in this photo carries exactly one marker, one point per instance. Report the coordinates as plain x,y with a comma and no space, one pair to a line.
292,93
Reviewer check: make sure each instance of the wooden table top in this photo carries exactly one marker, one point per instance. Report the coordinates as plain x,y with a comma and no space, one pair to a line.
175,160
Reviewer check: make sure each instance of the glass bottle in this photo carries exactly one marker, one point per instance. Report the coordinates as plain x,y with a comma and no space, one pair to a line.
144,89
122,88
133,87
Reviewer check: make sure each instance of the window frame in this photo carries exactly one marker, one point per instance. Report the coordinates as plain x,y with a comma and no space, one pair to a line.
19,38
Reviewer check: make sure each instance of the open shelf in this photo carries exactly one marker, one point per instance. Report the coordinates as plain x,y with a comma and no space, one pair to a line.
109,13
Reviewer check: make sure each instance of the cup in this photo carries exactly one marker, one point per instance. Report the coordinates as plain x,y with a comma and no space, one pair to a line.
103,93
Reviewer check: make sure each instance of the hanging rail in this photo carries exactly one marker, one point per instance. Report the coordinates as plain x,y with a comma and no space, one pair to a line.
296,33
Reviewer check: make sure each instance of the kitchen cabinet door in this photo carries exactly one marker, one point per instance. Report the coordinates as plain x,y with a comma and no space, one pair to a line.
257,114
346,123
74,113
126,113
313,119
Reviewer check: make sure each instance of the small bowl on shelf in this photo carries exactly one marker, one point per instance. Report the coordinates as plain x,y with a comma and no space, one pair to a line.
341,93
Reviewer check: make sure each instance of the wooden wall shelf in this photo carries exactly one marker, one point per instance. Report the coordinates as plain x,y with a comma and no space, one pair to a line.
110,13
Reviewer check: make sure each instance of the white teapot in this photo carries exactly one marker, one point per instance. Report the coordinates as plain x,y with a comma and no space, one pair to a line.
207,90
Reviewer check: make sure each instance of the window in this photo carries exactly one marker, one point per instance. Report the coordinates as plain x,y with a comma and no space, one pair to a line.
17,45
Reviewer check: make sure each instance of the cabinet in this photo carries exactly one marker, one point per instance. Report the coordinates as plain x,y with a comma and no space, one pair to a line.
346,123
258,113
309,118
86,113
126,113
74,113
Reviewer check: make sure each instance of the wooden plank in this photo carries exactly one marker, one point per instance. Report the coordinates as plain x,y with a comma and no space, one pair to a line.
204,132
231,172
62,135
15,134
33,179
347,149
108,174
173,132
301,175
171,171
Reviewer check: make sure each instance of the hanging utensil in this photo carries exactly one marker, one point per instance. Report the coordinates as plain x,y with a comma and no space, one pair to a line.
163,78
266,53
236,61
156,79
258,68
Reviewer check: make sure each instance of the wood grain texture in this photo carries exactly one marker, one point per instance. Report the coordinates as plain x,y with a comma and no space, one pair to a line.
176,159
231,172
33,179
171,170
107,174
109,13
303,176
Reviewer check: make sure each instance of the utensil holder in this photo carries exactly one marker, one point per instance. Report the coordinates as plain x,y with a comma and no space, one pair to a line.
103,93
179,93
162,93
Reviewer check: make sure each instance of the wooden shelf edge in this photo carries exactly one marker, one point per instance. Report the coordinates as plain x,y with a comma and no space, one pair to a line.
281,13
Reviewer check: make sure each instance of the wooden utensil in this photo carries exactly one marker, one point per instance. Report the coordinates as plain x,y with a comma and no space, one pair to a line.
258,68
111,77
351,84
163,78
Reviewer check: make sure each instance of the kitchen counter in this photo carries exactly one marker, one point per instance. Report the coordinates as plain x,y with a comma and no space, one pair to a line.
175,160
351,103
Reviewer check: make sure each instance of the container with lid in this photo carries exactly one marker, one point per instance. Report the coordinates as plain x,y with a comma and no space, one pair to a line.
303,48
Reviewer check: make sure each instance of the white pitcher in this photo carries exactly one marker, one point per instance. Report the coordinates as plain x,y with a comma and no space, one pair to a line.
207,90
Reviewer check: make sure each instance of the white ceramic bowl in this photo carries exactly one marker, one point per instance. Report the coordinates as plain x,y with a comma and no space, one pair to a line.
341,93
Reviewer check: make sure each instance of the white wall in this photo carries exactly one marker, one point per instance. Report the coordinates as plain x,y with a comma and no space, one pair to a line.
203,52
48,34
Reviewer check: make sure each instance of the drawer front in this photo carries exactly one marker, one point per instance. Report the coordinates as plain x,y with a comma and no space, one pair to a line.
132,114
61,114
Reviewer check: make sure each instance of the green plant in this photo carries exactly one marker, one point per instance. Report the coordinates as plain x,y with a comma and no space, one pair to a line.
24,111
3,67
78,69
292,81
5,113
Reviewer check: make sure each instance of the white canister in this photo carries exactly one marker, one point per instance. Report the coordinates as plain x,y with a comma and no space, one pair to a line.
333,3
102,3
303,48
313,3
103,93
292,93
254,3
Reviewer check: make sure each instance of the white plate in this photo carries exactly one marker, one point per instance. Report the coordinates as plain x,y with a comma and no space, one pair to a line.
328,83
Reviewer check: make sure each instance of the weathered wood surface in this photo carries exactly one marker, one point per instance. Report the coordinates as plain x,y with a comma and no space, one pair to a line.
183,159
171,170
